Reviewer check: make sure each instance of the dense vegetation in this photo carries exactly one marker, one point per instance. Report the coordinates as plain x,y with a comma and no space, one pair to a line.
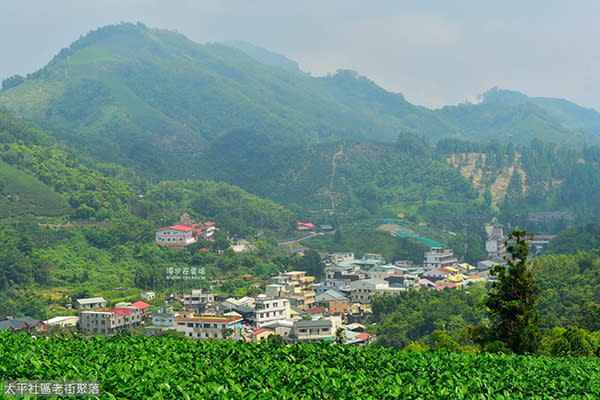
175,368
152,98
537,177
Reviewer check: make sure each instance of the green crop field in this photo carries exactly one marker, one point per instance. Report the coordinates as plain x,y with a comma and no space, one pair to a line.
21,193
178,368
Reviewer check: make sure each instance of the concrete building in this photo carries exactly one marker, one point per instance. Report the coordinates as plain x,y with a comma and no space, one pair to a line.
63,321
294,279
197,298
269,309
332,284
294,285
310,331
362,291
90,303
438,257
339,257
384,271
175,236
209,327
110,321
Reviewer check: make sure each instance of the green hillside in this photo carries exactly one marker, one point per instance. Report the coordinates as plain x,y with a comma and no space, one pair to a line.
571,115
339,178
150,98
24,194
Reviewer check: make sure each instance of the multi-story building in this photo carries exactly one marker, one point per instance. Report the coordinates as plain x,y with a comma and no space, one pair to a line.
439,257
209,326
110,321
294,279
175,236
296,286
301,299
364,290
197,298
329,284
269,309
496,243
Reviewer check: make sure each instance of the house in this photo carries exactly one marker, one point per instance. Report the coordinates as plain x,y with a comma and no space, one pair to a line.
175,236
197,298
316,312
148,296
269,309
335,302
426,283
496,243
438,273
110,321
209,327
339,257
143,307
261,334
326,228
162,320
539,242
281,327
90,303
294,279
309,331
63,321
383,271
362,291
22,324
305,226
489,264
439,257
332,284
294,285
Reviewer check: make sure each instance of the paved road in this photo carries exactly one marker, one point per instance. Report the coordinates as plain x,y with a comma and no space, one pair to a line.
298,240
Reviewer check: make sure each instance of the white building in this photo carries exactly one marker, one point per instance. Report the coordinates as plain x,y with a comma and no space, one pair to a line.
209,326
438,257
90,303
269,309
362,290
175,236
197,297
107,322
338,257
148,296
63,321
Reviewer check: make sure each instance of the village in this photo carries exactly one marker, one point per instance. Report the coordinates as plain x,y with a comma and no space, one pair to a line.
293,306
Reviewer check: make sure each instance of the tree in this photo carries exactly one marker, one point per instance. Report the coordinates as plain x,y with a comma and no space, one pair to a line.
512,300
340,336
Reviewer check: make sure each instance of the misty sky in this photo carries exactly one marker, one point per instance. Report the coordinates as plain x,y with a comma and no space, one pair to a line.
434,52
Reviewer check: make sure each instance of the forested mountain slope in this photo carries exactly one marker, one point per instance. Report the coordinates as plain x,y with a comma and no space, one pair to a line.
152,98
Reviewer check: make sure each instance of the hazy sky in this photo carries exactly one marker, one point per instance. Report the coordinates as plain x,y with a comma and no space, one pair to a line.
434,52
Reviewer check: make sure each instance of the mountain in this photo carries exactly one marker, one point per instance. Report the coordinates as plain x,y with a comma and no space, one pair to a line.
571,115
264,56
152,99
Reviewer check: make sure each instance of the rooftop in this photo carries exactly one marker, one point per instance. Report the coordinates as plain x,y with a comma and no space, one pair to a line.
91,300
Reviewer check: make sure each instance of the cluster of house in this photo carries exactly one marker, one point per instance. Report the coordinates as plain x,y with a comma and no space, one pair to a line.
495,245
184,233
